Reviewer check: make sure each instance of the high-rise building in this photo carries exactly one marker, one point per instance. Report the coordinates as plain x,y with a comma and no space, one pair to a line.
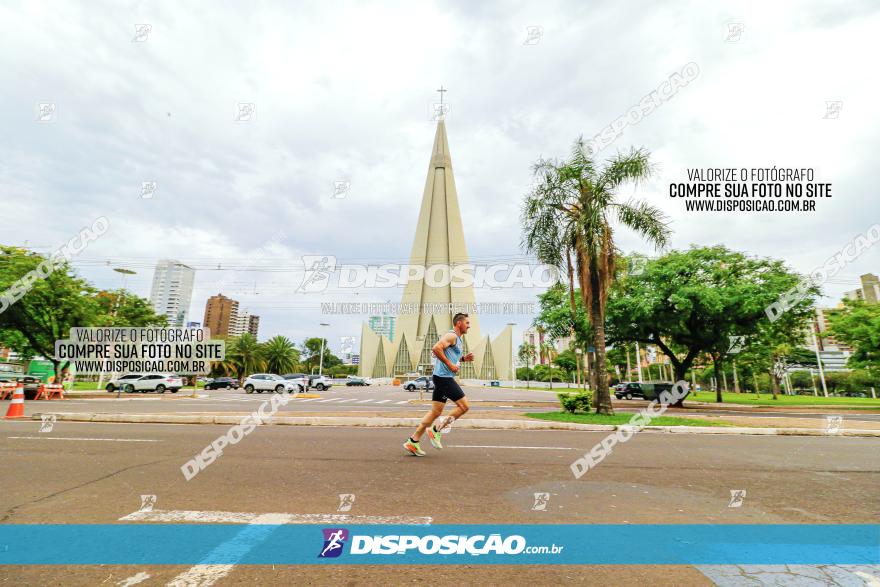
439,240
383,325
253,325
171,292
221,315
869,292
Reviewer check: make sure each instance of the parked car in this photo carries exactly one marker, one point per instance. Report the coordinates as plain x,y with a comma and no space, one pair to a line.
158,382
30,383
418,383
298,376
261,382
222,383
649,391
121,381
319,382
357,381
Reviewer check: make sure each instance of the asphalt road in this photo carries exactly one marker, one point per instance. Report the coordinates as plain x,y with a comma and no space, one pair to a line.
97,473
385,399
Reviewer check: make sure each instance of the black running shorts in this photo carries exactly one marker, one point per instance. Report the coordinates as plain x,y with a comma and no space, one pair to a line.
446,388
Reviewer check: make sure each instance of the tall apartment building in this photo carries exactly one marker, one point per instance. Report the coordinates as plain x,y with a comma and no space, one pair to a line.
383,325
253,325
221,315
171,292
869,292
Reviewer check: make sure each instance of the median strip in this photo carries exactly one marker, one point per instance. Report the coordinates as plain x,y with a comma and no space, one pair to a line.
475,423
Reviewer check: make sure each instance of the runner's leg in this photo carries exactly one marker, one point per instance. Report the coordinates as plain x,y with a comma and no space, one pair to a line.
433,414
461,408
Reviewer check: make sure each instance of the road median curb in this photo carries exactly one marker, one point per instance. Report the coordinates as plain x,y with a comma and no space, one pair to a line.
467,423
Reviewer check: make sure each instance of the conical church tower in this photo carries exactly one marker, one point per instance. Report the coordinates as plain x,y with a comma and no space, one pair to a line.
439,247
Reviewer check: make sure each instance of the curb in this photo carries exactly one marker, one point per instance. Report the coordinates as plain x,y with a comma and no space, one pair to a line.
471,423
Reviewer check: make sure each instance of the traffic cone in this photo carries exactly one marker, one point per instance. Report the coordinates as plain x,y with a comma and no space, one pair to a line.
16,407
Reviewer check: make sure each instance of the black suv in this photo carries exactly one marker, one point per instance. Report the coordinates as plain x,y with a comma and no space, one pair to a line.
222,383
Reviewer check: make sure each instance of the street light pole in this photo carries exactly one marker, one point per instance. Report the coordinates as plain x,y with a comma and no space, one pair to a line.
819,361
512,370
321,363
125,273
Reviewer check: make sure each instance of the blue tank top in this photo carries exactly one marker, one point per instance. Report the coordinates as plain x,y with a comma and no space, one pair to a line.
453,353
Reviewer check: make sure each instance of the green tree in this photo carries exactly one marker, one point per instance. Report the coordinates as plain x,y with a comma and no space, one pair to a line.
244,356
567,222
526,355
55,302
280,354
691,303
858,325
311,355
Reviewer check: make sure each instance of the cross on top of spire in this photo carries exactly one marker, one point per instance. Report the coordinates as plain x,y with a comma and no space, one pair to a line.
441,91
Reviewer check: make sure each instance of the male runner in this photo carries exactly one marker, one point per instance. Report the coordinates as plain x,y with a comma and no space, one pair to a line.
447,353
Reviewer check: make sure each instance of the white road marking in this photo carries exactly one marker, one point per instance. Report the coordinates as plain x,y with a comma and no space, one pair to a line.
77,438
406,401
212,517
204,575
363,401
384,401
134,580
495,446
309,399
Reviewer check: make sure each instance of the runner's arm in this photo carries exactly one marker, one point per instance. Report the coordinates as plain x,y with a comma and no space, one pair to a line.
446,340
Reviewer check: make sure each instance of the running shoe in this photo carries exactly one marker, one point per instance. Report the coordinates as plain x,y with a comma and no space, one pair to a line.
414,448
435,438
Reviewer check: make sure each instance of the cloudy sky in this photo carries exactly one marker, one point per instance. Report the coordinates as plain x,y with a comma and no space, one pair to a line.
343,91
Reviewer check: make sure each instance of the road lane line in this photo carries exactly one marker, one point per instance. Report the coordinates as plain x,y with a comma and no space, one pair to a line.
78,438
496,446
384,401
134,580
216,517
406,401
363,401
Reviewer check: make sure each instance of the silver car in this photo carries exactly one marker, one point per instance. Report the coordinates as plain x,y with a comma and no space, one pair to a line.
418,383
261,382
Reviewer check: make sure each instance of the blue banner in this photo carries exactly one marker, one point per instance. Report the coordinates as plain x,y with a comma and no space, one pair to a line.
257,544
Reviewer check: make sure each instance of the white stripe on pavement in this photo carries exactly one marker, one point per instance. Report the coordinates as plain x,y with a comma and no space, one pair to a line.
77,438
406,401
496,446
384,401
213,517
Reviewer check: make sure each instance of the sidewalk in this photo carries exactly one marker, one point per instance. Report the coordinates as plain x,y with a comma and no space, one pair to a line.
408,422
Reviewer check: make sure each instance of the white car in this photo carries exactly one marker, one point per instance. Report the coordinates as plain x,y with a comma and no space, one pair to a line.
158,382
261,382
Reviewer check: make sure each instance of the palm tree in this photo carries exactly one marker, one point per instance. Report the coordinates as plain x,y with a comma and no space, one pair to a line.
548,350
526,355
569,213
244,355
280,354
